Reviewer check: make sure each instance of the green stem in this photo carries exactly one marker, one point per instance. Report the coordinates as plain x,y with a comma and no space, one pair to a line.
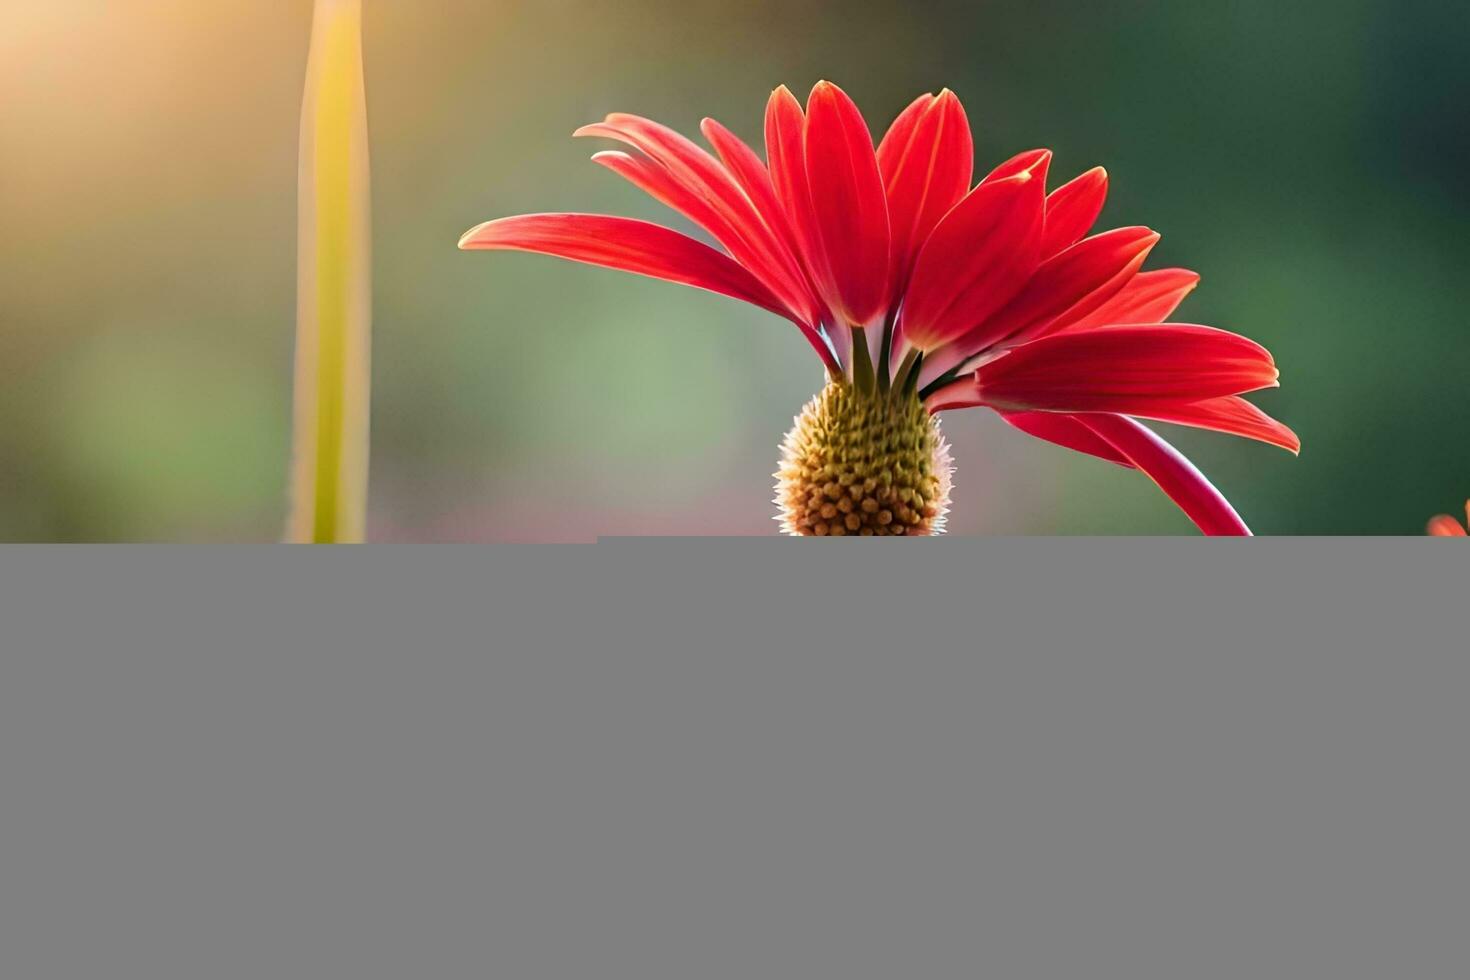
911,380
329,469
862,361
908,366
885,350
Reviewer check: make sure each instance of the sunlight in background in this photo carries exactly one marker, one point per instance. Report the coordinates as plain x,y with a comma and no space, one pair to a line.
148,191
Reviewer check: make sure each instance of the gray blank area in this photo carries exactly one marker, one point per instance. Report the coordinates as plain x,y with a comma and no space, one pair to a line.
678,760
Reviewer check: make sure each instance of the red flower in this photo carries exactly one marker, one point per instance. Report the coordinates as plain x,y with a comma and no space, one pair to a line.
909,282
1445,526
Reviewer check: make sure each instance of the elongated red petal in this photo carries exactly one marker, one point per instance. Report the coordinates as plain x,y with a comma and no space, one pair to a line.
926,160
1033,162
1071,210
786,161
977,258
741,229
961,393
1149,297
640,247
751,174
627,244
900,136
1125,441
1066,431
686,161
656,181
848,202
1445,526
1230,414
1180,480
1069,285
745,166
1126,369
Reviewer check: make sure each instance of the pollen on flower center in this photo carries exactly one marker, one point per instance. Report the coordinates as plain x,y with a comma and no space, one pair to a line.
861,462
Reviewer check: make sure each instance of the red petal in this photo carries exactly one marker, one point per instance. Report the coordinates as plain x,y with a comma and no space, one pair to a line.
632,246
750,172
746,167
1033,162
741,230
1067,431
1149,297
1129,370
627,244
900,136
1175,475
977,258
786,161
656,181
848,202
1124,441
1445,526
1071,209
1069,285
963,393
1231,414
926,161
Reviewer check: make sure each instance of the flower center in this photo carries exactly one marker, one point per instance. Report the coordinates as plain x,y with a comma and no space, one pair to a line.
863,462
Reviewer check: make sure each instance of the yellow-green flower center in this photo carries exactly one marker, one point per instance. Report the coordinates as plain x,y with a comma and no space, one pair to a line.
863,462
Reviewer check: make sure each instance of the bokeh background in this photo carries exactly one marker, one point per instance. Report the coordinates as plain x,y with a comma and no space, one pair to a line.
1309,159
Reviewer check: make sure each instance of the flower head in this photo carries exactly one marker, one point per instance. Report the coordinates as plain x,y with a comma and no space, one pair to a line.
1445,526
922,290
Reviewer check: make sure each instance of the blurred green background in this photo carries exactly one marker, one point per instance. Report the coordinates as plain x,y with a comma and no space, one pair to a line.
1309,159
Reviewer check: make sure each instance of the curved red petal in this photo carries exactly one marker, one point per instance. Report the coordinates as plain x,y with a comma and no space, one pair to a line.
1180,480
1149,297
926,160
627,244
746,167
743,231
896,142
1033,162
1126,369
848,203
656,181
751,174
1232,415
1067,286
1071,210
977,258
961,393
1066,431
786,161
1445,526
640,247
898,138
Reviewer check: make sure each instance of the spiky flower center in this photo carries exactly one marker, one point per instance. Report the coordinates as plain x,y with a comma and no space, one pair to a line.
859,461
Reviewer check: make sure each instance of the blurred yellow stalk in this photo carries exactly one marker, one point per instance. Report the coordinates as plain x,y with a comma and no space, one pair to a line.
334,295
